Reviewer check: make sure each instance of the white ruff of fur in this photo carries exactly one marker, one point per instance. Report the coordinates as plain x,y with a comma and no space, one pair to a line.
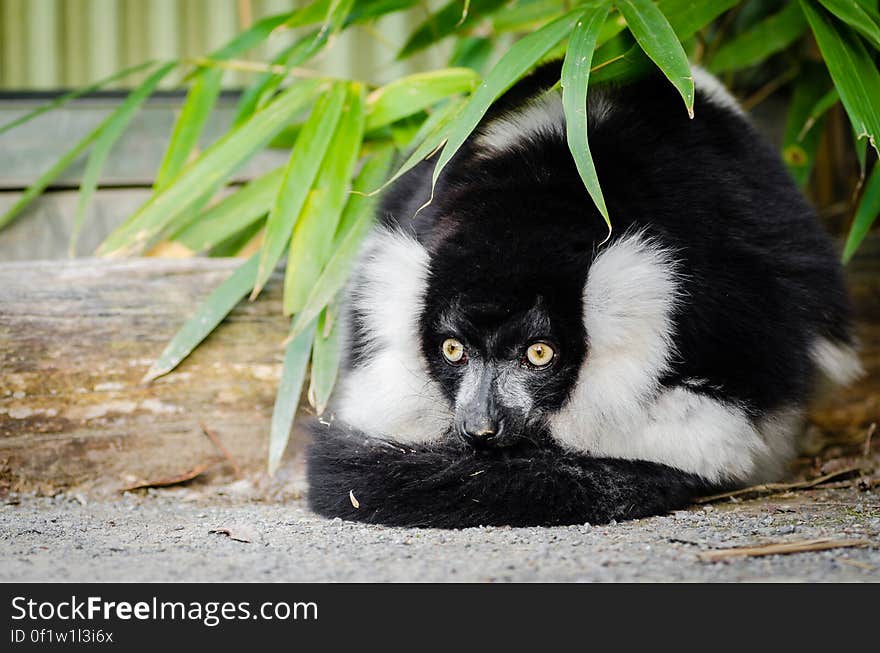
618,408
391,394
838,362
714,91
541,116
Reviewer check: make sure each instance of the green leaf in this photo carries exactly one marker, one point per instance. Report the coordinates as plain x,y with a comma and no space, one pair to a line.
575,78
210,169
857,16
353,227
264,87
852,70
366,10
431,135
413,93
293,373
525,16
687,17
72,95
316,225
823,104
111,129
753,46
799,152
866,214
232,214
516,62
206,318
302,167
251,37
659,41
454,17
471,52
361,202
325,360
332,15
189,125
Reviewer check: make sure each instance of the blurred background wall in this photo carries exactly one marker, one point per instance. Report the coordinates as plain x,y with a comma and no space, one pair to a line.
53,44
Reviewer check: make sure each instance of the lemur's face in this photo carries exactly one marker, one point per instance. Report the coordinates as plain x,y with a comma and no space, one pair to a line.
505,342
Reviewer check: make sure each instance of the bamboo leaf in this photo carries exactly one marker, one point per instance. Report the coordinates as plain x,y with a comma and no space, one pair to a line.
316,225
858,17
754,45
575,78
799,152
293,373
301,170
251,37
72,95
517,61
326,354
471,52
413,93
687,17
215,164
232,214
110,131
189,125
866,214
366,10
823,104
360,201
353,227
428,139
454,17
659,41
525,16
206,318
853,71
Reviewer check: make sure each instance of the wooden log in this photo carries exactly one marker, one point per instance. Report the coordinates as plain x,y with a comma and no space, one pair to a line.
75,339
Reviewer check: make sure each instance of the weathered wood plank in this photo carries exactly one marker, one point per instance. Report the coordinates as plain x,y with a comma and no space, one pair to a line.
43,229
32,148
75,339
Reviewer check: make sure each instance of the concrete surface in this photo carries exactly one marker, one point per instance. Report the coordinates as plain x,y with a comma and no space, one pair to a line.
165,535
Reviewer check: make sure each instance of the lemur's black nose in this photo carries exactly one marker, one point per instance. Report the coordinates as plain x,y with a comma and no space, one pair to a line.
482,432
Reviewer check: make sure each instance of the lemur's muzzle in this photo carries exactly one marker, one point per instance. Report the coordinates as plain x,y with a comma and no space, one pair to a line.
480,421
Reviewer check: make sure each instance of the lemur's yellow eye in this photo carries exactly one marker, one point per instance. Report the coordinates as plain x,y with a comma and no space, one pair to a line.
453,350
540,354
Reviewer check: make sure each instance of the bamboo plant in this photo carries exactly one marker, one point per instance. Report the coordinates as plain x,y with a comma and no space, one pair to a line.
347,140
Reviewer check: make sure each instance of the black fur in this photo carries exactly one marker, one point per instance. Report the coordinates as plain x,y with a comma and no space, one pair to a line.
511,238
450,485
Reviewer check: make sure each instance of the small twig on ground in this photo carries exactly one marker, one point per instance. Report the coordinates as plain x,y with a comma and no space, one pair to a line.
867,449
179,479
858,563
780,548
773,488
213,437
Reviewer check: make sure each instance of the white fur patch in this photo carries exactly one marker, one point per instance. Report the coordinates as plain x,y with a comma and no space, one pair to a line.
540,116
618,408
714,91
838,362
392,394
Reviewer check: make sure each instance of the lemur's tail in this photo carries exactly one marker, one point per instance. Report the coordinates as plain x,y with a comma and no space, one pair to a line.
449,485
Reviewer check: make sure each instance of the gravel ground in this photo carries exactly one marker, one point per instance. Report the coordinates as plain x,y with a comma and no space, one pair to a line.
165,535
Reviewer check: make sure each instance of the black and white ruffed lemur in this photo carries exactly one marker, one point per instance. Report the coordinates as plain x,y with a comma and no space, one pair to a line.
505,365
